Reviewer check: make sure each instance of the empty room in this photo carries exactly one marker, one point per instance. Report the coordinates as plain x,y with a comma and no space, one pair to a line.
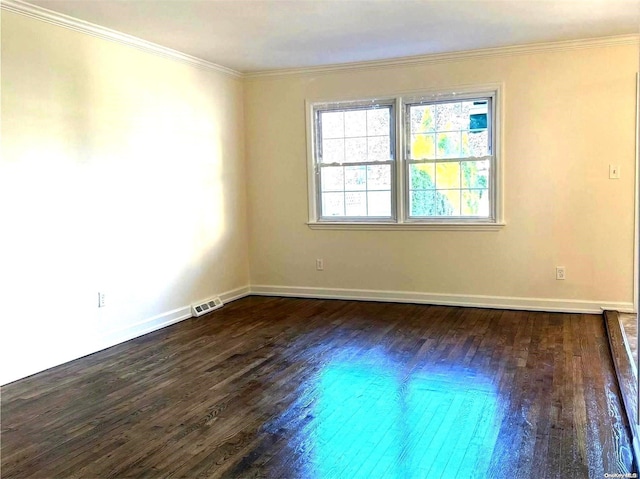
319,239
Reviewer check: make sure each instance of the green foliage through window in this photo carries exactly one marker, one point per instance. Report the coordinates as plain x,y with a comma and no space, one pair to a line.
449,149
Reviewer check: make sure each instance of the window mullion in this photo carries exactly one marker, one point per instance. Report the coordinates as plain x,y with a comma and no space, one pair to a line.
450,160
358,163
399,167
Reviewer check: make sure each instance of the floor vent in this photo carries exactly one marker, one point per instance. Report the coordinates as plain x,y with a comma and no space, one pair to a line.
206,307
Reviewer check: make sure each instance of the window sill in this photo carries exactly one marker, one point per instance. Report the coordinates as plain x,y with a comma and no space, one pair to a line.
336,225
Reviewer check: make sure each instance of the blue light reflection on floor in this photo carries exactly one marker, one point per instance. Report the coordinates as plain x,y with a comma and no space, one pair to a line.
372,421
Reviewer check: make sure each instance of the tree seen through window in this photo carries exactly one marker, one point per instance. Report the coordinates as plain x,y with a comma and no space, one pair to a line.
449,175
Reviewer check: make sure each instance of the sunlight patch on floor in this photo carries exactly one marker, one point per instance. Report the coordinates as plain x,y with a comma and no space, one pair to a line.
375,421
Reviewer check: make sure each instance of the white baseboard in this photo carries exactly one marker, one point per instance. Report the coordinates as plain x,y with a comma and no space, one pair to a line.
467,300
149,325
163,320
238,293
112,338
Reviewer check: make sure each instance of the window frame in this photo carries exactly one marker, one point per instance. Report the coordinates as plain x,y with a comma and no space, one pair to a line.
400,213
407,103
320,107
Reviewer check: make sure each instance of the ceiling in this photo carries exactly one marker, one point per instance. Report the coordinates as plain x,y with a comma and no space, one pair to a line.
261,35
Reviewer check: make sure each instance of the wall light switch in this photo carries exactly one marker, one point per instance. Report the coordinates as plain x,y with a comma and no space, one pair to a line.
614,172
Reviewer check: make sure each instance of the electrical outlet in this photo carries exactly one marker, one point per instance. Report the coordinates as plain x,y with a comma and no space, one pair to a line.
101,302
561,273
320,264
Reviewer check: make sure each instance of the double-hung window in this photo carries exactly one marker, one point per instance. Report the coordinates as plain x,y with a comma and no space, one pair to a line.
448,156
354,153
445,172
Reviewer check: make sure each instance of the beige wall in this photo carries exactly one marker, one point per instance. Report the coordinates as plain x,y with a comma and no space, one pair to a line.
121,172
567,116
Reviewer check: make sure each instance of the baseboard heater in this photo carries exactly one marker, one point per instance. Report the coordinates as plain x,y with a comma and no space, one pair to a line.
206,307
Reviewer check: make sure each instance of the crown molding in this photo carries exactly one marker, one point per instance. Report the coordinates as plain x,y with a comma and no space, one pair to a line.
59,19
419,60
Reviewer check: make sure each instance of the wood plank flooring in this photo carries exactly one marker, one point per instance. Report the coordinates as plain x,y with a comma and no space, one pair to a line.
626,373
319,389
630,327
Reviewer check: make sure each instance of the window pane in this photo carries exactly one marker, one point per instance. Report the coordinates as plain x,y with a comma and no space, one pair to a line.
332,124
449,145
448,203
475,174
477,143
355,123
379,177
379,203
332,178
422,177
333,204
465,110
355,178
356,204
448,175
356,150
378,122
475,203
423,146
333,151
422,118
379,148
449,117
423,203
478,114
464,146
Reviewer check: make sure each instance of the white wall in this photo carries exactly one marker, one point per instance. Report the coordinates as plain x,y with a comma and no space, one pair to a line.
121,172
567,116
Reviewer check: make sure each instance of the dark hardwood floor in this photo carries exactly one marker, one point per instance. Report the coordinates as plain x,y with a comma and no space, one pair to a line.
315,389
626,372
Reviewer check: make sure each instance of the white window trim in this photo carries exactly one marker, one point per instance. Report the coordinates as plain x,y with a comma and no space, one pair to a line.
400,220
390,102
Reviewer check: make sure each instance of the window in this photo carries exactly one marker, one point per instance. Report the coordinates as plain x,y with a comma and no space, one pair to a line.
448,156
446,172
354,151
